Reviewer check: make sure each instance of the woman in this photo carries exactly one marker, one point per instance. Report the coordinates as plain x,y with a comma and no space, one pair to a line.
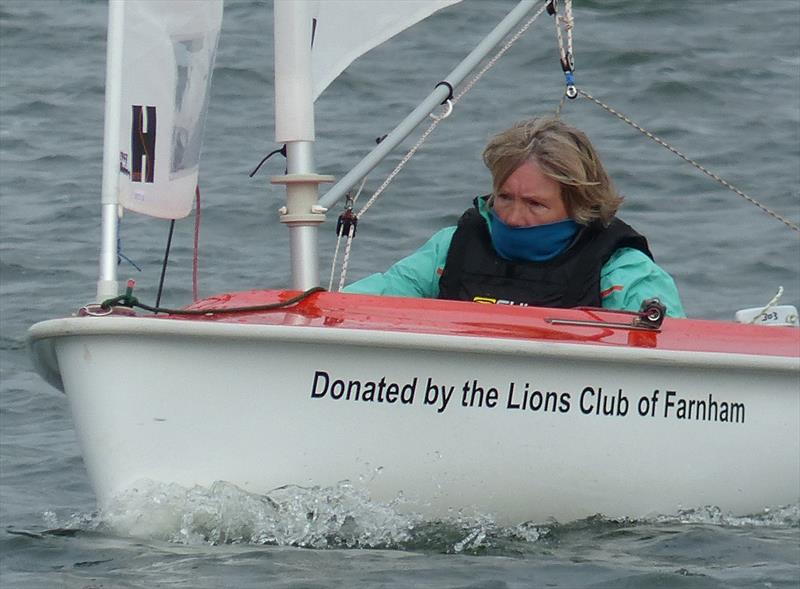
546,236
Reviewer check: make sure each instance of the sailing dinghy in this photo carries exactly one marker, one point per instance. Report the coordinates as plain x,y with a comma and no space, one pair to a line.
522,413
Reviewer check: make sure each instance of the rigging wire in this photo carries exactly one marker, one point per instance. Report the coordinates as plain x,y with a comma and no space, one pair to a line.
121,256
346,225
568,65
772,303
710,174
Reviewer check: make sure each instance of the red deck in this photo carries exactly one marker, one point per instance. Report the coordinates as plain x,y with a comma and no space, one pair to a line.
348,311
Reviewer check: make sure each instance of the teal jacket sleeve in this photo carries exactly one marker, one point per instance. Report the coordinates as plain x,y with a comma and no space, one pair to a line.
416,275
630,277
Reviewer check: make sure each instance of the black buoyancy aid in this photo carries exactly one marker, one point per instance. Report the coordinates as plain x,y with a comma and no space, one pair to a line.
475,272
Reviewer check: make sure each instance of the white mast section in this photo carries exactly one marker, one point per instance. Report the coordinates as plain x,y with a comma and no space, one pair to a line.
294,126
107,282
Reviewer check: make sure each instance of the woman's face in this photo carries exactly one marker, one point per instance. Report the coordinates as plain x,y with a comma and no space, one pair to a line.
529,198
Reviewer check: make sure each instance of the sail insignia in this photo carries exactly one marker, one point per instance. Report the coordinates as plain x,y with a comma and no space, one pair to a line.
167,60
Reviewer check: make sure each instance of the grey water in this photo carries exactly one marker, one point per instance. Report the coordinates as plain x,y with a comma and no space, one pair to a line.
718,80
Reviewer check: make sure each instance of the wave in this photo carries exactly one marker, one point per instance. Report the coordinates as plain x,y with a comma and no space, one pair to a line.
343,516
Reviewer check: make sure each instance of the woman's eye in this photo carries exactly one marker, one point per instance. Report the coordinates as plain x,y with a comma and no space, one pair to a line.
533,204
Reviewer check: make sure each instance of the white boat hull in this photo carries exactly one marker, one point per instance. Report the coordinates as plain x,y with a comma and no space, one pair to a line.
192,403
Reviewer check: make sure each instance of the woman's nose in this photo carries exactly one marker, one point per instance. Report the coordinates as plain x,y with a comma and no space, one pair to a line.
515,216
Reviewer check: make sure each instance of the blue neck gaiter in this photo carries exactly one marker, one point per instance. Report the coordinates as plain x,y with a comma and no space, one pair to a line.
531,244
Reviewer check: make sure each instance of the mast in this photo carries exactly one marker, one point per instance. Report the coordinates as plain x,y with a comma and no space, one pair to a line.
294,126
107,282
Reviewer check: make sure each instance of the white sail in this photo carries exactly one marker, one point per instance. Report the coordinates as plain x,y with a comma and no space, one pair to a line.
346,29
168,56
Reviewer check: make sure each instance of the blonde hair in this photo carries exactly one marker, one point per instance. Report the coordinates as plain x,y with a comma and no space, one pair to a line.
564,154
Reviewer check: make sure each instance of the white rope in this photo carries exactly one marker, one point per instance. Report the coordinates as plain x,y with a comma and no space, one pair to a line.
346,260
569,24
339,239
566,23
448,110
769,306
333,263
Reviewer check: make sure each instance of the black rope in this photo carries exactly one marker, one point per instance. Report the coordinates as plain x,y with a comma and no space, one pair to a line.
281,151
128,300
164,264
